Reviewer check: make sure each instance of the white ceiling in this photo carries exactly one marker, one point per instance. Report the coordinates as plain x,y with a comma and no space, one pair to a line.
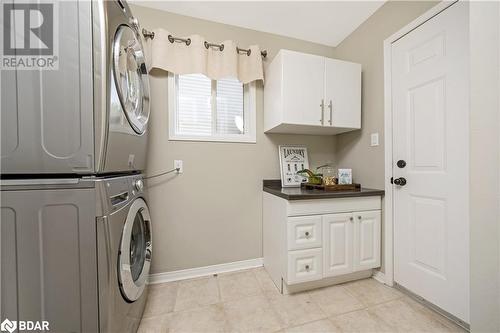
323,22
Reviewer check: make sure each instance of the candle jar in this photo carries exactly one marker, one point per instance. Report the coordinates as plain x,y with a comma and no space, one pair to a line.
329,175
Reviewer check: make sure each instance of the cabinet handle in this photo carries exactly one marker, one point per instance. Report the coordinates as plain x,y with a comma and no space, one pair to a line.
351,218
322,105
307,267
330,106
359,217
307,233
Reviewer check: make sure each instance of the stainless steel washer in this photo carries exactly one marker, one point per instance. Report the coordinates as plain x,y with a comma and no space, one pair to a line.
75,252
124,249
90,116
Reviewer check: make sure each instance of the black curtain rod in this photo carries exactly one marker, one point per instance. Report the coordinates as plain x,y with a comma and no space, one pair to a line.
187,41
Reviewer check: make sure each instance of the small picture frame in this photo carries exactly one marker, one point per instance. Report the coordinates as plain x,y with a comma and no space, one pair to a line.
292,159
345,176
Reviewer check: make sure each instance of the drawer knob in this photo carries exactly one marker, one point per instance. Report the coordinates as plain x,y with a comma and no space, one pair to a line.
307,233
359,217
307,267
351,218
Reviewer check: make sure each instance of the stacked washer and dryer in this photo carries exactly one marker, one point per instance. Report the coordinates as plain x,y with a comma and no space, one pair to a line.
75,227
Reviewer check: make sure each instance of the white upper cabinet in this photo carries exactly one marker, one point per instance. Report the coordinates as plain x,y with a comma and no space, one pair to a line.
309,94
303,78
342,94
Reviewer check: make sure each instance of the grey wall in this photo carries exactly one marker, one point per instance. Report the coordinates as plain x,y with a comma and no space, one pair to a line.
484,166
365,46
212,213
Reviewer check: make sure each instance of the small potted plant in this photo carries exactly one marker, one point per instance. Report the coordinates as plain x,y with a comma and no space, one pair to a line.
312,178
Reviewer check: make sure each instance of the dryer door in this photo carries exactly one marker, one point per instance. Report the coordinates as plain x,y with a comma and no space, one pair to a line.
131,77
135,251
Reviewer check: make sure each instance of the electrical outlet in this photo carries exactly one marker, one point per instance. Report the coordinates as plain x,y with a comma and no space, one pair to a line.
374,139
178,165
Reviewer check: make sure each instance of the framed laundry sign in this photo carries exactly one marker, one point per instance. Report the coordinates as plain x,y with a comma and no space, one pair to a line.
292,160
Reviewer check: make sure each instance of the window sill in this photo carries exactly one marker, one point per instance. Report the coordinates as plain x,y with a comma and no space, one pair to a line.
243,139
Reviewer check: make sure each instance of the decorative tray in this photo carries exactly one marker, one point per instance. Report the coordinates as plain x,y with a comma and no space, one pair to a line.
335,187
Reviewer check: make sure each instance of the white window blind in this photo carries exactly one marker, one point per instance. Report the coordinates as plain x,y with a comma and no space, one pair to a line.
209,110
194,105
229,107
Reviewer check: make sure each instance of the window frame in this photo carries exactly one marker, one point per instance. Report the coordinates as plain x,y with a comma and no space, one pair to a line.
249,115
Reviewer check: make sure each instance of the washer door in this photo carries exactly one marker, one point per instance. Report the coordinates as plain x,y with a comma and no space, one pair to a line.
135,251
131,77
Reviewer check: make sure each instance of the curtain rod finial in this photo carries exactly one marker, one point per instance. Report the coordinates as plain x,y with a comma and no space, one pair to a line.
148,34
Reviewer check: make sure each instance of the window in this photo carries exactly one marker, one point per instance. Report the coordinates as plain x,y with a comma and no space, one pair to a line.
201,109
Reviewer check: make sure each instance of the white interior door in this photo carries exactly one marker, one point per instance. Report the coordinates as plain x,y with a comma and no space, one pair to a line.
431,134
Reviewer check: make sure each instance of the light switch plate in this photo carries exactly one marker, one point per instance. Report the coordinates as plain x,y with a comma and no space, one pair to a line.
374,139
131,159
178,165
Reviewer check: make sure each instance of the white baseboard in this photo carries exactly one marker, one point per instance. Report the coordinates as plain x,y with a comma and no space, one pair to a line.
379,276
204,271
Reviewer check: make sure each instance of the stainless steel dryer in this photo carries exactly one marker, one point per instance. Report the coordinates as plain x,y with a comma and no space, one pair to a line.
75,252
90,116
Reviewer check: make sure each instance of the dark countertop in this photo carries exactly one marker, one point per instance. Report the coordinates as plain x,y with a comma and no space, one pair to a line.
273,186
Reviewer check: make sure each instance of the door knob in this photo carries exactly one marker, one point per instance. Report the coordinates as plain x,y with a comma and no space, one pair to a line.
401,163
401,181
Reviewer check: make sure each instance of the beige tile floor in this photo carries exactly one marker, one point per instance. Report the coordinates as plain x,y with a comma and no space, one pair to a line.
247,301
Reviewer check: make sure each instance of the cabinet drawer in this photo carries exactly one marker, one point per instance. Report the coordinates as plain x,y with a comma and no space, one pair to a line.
305,265
304,232
333,206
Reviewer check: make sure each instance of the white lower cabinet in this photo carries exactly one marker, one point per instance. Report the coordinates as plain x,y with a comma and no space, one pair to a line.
300,246
352,242
367,239
338,248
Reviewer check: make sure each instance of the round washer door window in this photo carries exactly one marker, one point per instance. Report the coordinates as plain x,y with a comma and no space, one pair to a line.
131,77
135,251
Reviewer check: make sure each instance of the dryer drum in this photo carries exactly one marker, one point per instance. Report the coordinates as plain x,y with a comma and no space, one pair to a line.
131,77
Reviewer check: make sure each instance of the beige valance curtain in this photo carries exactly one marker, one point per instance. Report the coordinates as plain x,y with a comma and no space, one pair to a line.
179,58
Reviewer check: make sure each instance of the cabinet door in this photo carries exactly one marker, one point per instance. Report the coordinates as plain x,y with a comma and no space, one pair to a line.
303,88
367,239
342,94
337,244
